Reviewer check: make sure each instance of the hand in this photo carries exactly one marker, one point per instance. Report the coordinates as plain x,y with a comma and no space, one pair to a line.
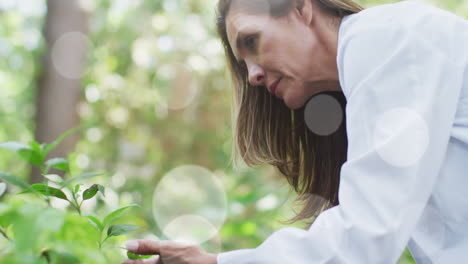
170,252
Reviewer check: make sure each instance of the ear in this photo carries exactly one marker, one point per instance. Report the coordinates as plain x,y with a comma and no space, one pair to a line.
305,10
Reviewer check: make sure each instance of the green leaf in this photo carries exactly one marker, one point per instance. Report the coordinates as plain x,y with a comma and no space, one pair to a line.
13,180
82,176
54,256
50,219
47,191
131,255
14,146
77,188
54,178
118,230
116,214
36,147
57,163
53,145
24,151
95,222
3,188
90,192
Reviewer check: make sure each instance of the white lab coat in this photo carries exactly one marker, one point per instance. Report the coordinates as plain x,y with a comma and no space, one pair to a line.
403,69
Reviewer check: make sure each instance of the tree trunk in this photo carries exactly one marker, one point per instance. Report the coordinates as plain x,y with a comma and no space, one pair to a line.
59,86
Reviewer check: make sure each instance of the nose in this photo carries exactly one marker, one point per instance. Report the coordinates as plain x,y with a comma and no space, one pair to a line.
256,74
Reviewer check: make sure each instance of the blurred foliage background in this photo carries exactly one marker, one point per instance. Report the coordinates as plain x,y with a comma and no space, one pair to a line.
147,80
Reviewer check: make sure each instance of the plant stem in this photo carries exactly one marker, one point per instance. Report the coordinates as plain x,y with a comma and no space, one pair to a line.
76,205
100,239
77,208
3,232
45,182
104,241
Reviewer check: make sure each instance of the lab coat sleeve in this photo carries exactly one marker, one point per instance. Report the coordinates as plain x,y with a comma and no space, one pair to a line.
402,93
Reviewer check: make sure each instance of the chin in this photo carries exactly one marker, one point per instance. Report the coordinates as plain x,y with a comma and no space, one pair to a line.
294,103
294,97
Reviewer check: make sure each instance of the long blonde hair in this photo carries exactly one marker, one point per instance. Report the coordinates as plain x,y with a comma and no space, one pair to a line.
267,132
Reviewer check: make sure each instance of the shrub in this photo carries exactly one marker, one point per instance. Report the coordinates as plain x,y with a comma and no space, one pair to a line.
32,231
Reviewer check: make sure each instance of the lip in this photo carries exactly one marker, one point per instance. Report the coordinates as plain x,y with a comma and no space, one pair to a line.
273,87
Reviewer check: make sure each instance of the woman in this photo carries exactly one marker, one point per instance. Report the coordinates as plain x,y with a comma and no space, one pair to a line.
395,175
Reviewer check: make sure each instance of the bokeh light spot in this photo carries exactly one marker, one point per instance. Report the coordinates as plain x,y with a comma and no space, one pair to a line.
92,93
70,64
323,114
268,202
144,52
401,137
82,161
165,43
118,116
188,191
94,134
191,229
182,85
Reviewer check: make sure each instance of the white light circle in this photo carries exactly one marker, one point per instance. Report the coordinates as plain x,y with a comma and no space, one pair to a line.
70,47
190,229
401,137
191,195
323,114
177,85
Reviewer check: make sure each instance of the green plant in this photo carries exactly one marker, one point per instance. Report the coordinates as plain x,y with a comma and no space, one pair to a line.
33,231
131,255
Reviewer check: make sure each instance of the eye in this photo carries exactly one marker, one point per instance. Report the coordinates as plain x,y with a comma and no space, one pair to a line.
250,42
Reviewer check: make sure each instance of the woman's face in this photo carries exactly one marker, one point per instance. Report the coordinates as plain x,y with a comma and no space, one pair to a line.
285,52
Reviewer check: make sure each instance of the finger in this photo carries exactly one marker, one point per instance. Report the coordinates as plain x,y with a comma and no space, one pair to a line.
153,260
144,246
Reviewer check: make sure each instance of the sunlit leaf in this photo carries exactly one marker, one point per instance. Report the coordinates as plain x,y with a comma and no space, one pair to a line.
24,151
14,146
57,163
14,180
53,178
53,145
116,214
82,176
47,191
77,188
118,230
95,222
38,149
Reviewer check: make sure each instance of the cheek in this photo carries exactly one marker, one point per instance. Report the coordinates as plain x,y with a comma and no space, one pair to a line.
296,61
270,57
278,56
